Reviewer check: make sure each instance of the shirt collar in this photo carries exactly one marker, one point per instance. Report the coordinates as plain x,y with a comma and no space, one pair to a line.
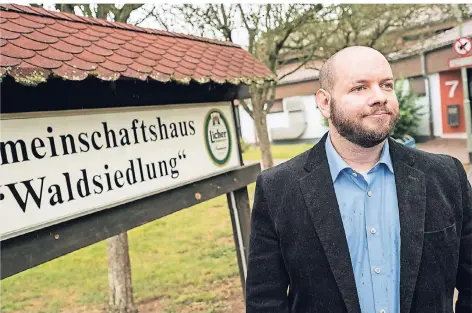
337,164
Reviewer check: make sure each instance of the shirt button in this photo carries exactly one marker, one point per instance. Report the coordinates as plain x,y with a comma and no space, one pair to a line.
377,270
373,231
369,193
382,311
354,174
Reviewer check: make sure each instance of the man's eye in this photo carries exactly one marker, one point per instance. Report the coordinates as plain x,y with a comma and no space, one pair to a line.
358,88
388,85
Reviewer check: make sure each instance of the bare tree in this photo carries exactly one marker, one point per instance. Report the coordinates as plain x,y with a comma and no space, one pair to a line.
278,33
112,12
381,26
270,28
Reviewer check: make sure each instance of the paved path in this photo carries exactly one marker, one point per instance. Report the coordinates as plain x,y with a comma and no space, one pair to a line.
453,147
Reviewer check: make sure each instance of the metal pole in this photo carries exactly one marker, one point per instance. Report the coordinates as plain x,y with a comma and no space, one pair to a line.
428,91
465,88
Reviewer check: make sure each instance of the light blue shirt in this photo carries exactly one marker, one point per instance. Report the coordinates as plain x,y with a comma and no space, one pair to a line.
369,210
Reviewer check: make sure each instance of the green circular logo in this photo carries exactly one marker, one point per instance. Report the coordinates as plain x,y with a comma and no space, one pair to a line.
217,137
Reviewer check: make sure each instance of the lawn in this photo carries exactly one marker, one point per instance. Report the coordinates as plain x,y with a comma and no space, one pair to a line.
185,262
279,152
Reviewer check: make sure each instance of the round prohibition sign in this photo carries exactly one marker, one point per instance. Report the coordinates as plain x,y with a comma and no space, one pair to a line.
462,46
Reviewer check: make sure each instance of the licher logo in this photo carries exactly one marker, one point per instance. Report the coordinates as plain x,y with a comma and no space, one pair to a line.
217,137
215,117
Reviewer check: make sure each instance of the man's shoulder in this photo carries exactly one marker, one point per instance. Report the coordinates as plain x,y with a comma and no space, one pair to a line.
433,163
286,171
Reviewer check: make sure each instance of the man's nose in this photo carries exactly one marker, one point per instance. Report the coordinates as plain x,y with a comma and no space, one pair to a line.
378,96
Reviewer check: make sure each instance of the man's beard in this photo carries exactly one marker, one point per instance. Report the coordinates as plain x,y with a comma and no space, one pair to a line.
353,130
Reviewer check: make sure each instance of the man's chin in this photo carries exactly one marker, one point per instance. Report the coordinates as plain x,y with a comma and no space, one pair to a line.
375,130
369,139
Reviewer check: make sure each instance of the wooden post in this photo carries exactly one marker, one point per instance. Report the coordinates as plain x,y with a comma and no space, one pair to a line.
240,212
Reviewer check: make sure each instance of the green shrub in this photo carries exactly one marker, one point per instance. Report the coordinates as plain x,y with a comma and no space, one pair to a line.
410,115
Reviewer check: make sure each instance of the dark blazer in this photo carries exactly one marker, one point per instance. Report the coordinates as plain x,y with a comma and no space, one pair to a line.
299,258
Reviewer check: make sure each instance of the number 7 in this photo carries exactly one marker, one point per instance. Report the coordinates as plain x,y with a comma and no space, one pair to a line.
453,84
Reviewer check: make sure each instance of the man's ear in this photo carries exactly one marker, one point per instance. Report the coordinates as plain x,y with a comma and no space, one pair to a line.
323,100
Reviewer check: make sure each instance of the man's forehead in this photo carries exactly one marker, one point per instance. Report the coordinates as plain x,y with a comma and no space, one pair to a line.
362,79
352,72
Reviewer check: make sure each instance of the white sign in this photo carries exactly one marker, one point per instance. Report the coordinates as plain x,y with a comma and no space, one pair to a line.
460,62
56,168
462,46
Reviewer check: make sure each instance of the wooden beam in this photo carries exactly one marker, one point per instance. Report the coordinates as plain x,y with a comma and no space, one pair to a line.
240,212
34,248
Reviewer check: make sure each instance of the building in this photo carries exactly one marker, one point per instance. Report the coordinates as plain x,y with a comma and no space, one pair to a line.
425,65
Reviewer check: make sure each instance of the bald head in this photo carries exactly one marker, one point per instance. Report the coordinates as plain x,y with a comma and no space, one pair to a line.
345,57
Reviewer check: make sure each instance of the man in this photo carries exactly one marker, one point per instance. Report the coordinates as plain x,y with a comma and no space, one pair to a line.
361,223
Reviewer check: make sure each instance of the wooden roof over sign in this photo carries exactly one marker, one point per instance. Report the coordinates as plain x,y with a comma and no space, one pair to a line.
37,44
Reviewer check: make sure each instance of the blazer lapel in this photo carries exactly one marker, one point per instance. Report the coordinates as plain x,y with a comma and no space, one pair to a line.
411,195
320,199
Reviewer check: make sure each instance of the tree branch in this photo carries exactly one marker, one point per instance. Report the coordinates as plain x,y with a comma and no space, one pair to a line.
123,14
65,7
271,101
307,59
379,33
149,13
86,10
246,107
243,17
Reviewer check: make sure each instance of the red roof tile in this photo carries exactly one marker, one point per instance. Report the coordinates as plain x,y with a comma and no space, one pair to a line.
68,72
13,51
140,68
115,57
34,41
28,44
36,36
81,64
133,74
67,47
162,69
13,27
96,49
54,33
77,42
126,53
90,57
6,34
113,66
96,31
106,46
145,61
7,61
42,62
114,40
9,15
54,54
84,36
